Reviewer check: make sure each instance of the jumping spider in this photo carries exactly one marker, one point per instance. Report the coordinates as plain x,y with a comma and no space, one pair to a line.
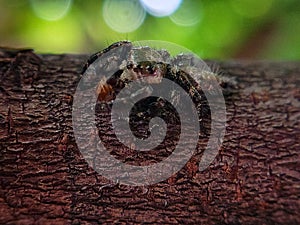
122,63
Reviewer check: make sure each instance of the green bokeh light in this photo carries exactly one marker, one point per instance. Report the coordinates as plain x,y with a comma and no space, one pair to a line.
51,9
217,29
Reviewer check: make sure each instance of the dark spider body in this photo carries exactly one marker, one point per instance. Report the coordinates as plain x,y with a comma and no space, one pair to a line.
121,68
110,86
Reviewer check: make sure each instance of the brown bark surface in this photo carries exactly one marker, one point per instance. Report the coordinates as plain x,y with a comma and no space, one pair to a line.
255,179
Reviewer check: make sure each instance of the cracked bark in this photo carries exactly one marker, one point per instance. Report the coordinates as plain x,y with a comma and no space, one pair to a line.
44,178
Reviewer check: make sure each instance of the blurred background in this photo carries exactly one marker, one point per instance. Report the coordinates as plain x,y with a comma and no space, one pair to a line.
213,29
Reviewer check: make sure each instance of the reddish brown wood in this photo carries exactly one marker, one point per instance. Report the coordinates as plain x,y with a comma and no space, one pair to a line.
45,180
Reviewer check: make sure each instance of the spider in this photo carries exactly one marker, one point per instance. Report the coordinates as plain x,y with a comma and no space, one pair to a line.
124,65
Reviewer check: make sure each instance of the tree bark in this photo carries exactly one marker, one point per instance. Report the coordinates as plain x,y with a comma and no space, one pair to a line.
45,180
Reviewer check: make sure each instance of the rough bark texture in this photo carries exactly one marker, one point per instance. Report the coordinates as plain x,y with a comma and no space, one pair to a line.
255,179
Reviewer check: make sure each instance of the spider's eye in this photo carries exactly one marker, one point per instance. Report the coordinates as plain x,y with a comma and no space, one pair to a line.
150,69
129,66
